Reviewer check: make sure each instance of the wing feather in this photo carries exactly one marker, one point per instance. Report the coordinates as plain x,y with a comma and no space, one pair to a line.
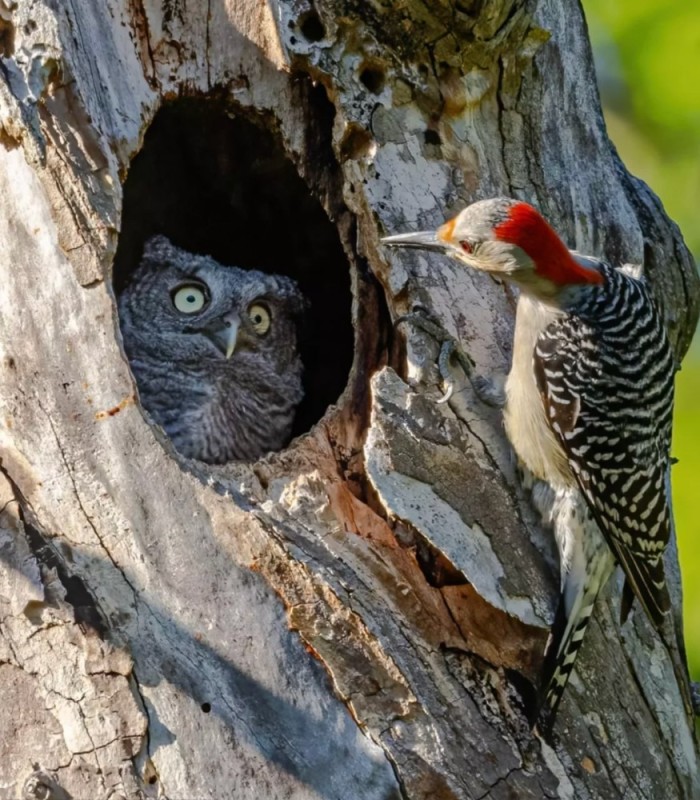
616,436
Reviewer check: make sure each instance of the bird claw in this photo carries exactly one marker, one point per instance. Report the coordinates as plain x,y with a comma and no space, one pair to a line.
448,393
423,319
488,391
450,349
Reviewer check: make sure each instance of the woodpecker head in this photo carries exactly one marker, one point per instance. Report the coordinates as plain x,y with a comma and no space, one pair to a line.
507,238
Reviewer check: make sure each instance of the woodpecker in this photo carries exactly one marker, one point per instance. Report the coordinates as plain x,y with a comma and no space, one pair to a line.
589,404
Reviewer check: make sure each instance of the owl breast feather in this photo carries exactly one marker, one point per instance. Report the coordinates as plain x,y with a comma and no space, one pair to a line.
239,413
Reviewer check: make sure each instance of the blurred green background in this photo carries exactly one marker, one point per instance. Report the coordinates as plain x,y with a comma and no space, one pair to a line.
647,55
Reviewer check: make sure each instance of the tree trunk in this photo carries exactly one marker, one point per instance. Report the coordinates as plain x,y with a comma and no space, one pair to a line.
363,614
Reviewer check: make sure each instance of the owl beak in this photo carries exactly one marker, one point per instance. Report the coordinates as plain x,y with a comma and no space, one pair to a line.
423,240
224,333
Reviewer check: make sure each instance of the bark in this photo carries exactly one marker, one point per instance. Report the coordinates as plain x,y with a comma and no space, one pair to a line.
363,614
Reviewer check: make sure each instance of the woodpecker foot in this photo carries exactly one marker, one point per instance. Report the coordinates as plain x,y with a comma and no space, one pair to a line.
695,697
489,392
484,388
423,319
451,351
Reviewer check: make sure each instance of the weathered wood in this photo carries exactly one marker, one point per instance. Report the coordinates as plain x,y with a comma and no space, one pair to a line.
359,615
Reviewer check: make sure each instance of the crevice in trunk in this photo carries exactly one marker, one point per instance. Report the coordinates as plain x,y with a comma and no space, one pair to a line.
217,182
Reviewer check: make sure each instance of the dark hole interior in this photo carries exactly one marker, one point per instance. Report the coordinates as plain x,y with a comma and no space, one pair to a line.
7,38
221,185
311,27
373,78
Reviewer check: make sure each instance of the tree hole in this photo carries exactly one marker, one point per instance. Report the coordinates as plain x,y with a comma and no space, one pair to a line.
311,26
220,184
373,78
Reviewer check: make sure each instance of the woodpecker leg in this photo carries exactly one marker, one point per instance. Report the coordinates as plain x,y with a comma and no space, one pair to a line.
489,392
695,695
484,388
423,319
450,350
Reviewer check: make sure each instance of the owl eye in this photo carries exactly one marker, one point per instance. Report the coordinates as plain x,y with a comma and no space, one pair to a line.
259,317
190,298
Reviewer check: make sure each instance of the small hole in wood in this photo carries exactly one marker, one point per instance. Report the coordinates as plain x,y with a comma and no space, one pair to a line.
311,26
373,78
432,137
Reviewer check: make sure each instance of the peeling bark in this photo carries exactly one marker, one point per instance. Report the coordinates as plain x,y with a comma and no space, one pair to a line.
364,613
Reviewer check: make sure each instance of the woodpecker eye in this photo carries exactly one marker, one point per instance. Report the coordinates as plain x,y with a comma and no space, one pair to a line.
259,317
190,298
466,246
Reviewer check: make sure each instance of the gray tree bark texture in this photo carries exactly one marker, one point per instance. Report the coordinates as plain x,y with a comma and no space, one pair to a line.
360,615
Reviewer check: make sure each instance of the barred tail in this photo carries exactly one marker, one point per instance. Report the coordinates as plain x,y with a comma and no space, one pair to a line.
646,579
574,613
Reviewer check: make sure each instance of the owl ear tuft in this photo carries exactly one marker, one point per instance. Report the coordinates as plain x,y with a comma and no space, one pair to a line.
295,302
157,246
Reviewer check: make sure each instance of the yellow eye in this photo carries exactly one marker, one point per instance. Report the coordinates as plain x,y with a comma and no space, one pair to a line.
260,318
189,299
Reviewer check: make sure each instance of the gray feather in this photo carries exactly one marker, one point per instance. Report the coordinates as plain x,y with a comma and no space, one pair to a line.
215,409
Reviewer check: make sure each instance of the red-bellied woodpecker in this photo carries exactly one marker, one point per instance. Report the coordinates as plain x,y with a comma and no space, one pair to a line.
589,403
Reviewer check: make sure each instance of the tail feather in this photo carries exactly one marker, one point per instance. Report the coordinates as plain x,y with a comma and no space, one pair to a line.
646,578
567,637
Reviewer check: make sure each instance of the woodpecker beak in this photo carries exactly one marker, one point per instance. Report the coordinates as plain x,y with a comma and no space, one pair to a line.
423,240
223,332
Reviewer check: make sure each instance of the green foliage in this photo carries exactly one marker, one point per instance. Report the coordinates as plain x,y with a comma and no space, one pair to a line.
647,55
686,436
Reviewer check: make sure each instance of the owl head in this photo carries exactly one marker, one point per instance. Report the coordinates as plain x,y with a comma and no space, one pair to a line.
186,308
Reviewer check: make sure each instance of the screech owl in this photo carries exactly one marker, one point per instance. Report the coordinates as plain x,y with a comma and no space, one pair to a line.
214,352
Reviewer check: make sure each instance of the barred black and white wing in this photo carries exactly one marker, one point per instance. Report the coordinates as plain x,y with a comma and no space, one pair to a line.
605,372
606,378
